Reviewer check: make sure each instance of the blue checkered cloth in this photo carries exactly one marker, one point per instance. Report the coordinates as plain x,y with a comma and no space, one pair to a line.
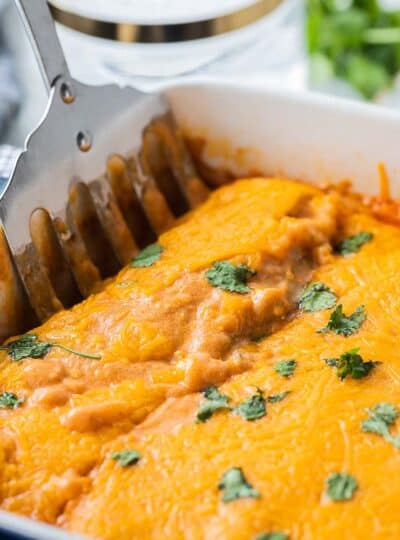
8,157
9,100
9,90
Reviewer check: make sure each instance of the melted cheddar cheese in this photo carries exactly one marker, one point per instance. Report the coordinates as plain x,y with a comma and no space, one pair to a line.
165,334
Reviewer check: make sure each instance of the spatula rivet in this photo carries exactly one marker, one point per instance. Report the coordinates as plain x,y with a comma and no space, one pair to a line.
84,141
67,93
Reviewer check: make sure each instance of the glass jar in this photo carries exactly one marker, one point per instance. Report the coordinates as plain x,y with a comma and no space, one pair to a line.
145,42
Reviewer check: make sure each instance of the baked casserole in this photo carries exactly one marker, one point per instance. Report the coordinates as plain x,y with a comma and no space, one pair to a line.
239,379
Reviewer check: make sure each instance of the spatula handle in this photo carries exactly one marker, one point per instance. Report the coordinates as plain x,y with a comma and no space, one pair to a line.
40,27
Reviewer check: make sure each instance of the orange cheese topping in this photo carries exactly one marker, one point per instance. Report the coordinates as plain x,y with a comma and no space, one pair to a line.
165,333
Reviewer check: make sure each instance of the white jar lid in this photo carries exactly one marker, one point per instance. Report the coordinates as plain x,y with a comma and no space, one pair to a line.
152,11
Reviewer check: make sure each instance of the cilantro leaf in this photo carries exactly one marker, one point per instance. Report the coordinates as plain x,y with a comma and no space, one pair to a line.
9,400
214,402
27,346
376,425
30,346
353,243
342,324
333,362
381,417
235,486
148,256
366,74
317,296
125,458
341,486
384,411
351,363
285,367
274,398
228,277
274,535
253,408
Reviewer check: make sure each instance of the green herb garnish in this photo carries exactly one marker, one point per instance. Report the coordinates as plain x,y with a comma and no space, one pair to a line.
342,324
126,458
148,256
381,417
9,400
214,401
317,296
253,408
274,535
353,243
274,398
230,278
30,346
27,346
285,367
351,363
358,41
235,486
341,486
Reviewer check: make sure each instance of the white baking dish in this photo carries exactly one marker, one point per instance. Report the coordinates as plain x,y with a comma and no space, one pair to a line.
307,136
302,135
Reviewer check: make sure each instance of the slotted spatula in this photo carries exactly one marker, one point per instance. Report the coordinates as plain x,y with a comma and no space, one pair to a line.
62,233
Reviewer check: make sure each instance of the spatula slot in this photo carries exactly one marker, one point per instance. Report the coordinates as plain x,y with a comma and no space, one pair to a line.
154,161
52,257
16,314
122,177
86,274
112,221
42,295
154,204
179,159
86,220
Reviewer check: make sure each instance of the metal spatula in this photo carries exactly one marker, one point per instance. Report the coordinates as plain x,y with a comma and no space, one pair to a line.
64,233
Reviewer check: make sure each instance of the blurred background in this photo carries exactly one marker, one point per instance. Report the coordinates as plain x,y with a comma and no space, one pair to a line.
349,48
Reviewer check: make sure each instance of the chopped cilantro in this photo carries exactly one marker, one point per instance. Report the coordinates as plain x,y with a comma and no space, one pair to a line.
78,353
342,324
30,346
274,398
317,296
253,408
357,41
351,363
230,278
384,412
8,400
27,346
235,486
274,535
285,367
353,243
381,417
126,457
214,402
341,486
148,256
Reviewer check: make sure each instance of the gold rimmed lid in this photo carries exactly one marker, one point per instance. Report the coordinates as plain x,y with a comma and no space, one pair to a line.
166,33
